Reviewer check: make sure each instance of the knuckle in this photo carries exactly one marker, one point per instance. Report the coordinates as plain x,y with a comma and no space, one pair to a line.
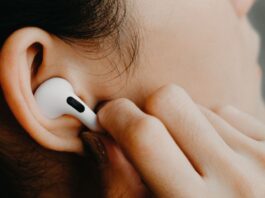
114,107
146,124
167,94
223,110
259,153
243,181
243,184
141,133
121,103
239,180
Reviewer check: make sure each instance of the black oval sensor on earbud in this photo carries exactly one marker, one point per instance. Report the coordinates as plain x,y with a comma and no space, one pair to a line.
75,104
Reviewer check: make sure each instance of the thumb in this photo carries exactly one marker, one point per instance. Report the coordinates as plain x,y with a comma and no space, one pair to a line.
119,177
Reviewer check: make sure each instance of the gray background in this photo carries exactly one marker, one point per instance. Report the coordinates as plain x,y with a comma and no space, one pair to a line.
257,16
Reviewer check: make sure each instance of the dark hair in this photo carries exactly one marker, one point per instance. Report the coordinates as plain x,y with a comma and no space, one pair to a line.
80,22
68,19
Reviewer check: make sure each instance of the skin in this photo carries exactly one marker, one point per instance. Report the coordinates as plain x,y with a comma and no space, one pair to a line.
198,44
217,154
209,49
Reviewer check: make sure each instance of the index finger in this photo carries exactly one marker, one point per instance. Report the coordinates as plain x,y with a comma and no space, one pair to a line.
149,146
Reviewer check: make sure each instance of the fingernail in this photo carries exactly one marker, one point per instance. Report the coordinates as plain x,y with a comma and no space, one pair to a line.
95,148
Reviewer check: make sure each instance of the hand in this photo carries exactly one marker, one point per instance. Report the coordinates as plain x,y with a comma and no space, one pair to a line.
182,150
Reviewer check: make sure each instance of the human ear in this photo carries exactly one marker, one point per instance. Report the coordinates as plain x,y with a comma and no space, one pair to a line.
242,7
29,57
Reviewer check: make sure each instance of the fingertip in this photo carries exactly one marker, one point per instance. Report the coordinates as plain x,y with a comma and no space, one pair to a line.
116,115
110,109
226,110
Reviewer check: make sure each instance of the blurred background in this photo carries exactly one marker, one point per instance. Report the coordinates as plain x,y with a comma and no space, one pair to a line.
257,16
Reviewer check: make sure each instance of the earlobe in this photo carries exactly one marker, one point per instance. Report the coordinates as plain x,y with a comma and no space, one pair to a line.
242,7
23,52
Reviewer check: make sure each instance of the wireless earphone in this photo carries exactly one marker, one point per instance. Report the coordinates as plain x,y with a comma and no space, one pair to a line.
56,97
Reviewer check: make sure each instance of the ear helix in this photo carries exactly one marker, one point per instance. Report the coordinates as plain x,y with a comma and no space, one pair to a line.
56,97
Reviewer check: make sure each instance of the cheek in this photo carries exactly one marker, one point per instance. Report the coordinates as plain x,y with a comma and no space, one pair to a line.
197,44
194,38
193,34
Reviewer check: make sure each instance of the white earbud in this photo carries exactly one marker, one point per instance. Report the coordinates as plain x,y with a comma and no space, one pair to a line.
56,97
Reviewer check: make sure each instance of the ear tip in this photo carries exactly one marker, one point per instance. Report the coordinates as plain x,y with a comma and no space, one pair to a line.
50,96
